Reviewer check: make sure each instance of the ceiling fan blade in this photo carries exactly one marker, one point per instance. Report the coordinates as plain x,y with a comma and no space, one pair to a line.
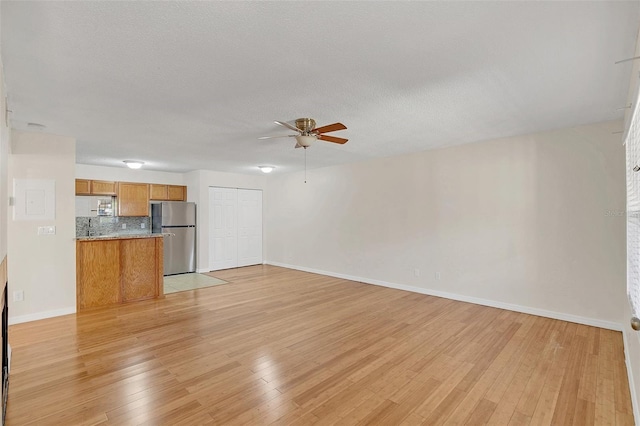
274,137
330,128
332,139
287,125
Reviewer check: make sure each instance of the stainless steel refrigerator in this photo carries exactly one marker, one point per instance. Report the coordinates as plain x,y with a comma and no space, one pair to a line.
178,220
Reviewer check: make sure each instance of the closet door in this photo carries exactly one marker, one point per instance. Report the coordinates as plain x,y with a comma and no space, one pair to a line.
223,231
249,227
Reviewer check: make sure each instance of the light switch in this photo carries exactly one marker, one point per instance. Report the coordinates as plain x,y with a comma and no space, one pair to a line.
46,230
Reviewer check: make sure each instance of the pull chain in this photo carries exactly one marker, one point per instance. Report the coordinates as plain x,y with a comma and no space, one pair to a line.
305,164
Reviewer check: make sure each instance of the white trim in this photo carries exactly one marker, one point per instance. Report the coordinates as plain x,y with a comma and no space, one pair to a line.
41,315
632,387
203,270
609,325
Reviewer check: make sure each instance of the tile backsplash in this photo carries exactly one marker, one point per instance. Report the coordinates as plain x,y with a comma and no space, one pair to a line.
107,225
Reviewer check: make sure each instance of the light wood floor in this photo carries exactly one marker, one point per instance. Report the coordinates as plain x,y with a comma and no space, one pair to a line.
288,347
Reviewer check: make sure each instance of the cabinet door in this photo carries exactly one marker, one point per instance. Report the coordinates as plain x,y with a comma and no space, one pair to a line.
98,273
83,187
177,193
133,199
158,192
139,260
103,187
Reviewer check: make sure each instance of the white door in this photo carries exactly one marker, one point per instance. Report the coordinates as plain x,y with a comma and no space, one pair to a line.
249,227
223,232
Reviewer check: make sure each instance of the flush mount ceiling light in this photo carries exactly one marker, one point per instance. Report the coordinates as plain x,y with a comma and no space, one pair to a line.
133,164
266,169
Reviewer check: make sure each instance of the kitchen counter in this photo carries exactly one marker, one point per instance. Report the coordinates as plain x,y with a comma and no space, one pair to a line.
121,236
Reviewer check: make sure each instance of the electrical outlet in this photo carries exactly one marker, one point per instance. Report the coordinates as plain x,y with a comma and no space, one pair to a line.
437,275
142,225
124,226
18,296
416,272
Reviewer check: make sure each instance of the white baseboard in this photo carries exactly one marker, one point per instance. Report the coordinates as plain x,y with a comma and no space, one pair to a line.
41,315
632,386
609,325
202,270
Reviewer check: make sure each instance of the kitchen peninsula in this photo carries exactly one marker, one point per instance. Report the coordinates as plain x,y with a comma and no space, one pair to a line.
113,269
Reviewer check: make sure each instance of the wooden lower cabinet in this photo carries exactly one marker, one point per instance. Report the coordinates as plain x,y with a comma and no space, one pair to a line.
115,271
97,273
139,269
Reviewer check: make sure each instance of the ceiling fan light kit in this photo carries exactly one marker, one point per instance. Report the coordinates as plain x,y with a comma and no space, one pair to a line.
305,141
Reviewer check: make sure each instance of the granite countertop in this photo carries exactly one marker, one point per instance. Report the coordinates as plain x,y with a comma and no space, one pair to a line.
122,236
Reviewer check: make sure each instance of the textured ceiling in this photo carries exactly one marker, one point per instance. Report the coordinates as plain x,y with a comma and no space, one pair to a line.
192,85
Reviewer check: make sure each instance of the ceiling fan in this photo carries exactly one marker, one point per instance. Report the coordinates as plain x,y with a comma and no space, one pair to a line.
308,133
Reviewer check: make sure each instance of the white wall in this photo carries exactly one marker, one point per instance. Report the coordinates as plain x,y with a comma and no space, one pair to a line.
5,138
519,223
43,266
198,183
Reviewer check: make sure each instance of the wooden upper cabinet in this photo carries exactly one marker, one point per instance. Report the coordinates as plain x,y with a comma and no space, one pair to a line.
83,187
158,192
95,187
155,192
103,187
167,192
177,193
133,199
